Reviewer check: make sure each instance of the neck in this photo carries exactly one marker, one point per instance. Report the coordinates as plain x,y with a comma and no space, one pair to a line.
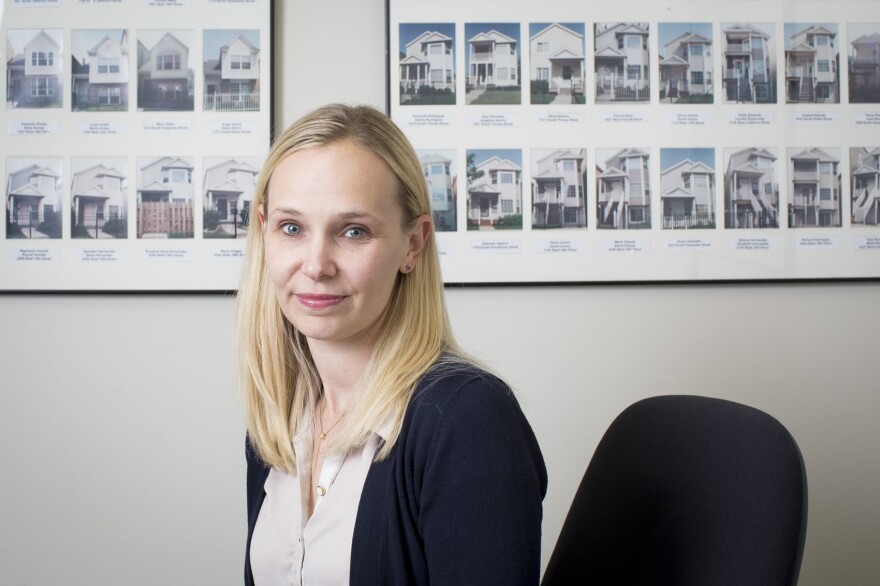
340,368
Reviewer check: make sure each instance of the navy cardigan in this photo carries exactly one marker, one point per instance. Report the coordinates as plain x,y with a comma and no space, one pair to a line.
458,499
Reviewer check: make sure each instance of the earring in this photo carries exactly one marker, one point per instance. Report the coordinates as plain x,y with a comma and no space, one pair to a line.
408,268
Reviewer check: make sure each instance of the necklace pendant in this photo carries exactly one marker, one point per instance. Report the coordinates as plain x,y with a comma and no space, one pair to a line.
322,437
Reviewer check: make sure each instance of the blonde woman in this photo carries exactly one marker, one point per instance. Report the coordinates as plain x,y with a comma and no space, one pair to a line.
377,453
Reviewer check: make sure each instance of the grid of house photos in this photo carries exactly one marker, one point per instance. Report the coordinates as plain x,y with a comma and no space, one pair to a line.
708,140
135,132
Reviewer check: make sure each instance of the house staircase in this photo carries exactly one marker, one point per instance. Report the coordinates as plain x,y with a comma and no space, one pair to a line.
744,91
865,207
553,218
807,93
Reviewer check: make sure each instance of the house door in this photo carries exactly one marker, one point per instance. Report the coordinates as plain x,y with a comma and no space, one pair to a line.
221,208
738,69
566,72
484,208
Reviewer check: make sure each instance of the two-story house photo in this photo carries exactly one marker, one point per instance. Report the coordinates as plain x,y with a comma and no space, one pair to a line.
686,71
687,188
99,69
98,197
34,66
33,197
864,164
438,167
622,62
751,188
864,63
814,178
165,197
811,63
228,190
231,71
427,63
559,180
165,70
556,63
493,63
494,189
623,189
749,63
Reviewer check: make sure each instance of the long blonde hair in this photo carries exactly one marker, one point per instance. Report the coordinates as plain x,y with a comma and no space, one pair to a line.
280,383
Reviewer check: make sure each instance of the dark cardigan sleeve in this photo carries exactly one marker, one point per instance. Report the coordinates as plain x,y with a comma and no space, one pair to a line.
257,472
481,492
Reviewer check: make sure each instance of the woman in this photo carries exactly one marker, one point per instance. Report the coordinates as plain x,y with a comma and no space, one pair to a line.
376,453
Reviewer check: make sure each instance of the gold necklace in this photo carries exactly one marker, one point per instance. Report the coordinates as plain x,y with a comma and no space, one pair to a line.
323,434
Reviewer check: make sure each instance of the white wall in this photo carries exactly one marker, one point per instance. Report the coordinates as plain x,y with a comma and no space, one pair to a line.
121,437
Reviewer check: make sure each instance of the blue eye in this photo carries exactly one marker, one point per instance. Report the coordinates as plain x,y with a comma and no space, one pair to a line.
290,229
356,232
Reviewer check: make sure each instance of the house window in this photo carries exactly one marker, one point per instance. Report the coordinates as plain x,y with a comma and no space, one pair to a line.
823,66
114,212
823,92
108,65
543,47
697,77
762,92
571,215
512,49
822,40
506,206
438,195
239,90
633,42
768,189
42,87
494,177
43,58
544,73
435,49
168,61
645,68
48,209
759,67
696,50
825,168
109,96
181,176
572,191
757,44
502,73
633,71
687,181
506,178
437,169
437,75
635,189
825,194
568,165
637,215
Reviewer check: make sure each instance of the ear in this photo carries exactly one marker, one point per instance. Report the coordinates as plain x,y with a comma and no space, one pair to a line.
418,236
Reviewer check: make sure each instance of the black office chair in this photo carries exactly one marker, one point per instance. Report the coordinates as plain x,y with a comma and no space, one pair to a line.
687,491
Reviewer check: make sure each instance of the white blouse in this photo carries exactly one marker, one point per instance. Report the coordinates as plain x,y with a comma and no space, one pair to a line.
289,549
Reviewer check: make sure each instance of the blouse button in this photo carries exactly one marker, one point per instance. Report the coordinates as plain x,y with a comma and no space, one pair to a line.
320,490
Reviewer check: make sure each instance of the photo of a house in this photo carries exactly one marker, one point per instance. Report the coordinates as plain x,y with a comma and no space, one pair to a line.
228,192
814,183
493,63
165,197
812,63
749,63
99,69
98,197
864,63
33,197
687,188
622,62
438,167
427,64
494,199
751,188
34,67
556,63
559,184
623,189
864,165
686,71
231,71
165,70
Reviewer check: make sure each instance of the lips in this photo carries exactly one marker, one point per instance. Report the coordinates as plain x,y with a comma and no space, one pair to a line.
318,301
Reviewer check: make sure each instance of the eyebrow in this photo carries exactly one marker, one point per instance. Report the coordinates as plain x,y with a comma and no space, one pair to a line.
346,216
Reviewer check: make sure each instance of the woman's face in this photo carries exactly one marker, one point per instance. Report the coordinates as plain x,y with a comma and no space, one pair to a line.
335,242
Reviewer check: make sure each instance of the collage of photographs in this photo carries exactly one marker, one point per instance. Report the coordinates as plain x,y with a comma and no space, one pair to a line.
755,187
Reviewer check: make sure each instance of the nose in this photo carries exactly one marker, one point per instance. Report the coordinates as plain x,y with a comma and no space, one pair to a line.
319,262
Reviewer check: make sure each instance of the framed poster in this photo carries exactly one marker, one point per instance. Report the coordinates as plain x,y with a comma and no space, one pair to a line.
709,140
134,134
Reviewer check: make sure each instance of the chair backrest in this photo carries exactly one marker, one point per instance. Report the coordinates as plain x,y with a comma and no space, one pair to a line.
687,490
